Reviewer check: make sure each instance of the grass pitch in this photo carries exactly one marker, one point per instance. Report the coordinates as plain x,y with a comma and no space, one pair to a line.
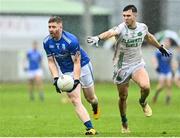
20,117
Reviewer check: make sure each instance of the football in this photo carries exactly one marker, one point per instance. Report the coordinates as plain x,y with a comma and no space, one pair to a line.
65,83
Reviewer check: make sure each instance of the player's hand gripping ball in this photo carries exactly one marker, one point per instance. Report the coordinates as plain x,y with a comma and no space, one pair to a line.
65,83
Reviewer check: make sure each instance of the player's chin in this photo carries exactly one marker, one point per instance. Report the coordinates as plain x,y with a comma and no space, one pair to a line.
127,23
51,34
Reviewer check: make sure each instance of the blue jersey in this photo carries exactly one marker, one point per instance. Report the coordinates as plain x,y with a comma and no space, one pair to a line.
34,59
63,49
164,63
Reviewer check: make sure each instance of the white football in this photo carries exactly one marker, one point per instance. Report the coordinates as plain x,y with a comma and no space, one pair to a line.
65,83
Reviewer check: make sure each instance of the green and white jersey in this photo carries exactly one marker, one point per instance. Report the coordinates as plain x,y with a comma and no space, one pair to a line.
128,46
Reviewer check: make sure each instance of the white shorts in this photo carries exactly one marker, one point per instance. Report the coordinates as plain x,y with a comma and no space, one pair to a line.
33,73
123,75
86,78
163,76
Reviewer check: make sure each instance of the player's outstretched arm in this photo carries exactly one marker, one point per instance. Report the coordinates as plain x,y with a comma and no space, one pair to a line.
94,40
153,41
164,51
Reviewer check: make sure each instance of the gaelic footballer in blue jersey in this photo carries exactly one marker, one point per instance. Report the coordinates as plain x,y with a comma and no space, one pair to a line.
66,56
34,71
164,69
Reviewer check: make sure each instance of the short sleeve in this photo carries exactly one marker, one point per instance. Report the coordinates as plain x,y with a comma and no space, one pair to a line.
157,54
47,49
118,29
145,29
74,47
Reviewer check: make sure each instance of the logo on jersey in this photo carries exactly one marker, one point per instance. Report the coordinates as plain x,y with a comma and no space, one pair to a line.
63,46
132,34
132,42
51,46
57,45
140,33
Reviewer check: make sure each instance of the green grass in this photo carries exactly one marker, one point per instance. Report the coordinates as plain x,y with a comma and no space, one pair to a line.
20,117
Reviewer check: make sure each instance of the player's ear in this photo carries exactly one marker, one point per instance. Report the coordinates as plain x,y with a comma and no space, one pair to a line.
60,25
135,14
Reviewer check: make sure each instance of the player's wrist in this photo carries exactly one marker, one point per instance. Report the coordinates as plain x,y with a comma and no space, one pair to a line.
55,80
99,37
161,46
77,81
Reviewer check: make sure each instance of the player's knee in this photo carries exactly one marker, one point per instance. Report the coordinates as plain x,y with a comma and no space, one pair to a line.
123,97
75,101
145,87
90,99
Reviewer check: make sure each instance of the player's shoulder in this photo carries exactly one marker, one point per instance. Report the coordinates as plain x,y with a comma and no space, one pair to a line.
46,39
121,25
29,51
69,37
157,53
142,25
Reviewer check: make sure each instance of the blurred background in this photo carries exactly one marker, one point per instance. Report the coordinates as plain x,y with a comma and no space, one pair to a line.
25,21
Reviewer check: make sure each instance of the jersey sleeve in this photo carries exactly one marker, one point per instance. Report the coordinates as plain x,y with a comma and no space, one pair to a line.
157,54
47,49
118,28
145,29
74,47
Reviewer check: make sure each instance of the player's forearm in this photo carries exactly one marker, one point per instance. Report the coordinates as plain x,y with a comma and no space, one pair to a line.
77,65
77,70
106,35
53,69
152,40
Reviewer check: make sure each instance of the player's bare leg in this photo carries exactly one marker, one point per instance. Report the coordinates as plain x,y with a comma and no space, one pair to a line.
31,89
89,94
64,99
123,94
75,98
169,91
159,88
39,85
141,77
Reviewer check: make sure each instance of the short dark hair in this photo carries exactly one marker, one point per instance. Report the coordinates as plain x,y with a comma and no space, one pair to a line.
56,19
130,7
